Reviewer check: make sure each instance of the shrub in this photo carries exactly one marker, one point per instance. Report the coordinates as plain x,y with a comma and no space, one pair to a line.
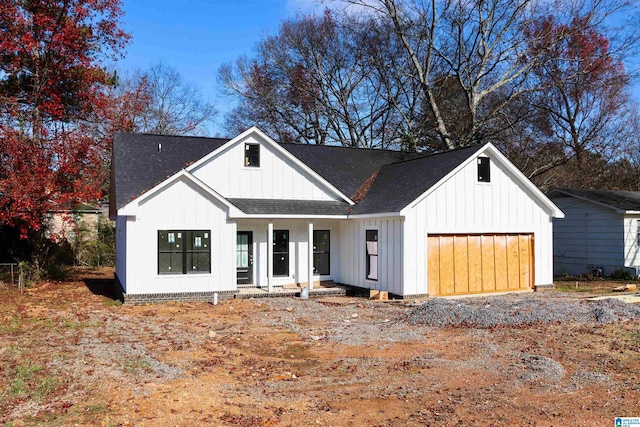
622,274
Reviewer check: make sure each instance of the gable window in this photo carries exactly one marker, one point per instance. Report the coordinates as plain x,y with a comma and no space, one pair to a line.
321,247
280,252
252,155
184,251
372,254
484,169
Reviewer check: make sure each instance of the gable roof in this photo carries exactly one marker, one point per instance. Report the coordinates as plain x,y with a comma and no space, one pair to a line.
141,161
265,139
398,184
621,201
345,167
380,181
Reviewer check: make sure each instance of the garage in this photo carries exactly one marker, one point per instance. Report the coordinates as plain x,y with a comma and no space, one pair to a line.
477,263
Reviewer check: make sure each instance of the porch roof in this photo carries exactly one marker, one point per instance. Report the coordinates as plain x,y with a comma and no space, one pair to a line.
291,207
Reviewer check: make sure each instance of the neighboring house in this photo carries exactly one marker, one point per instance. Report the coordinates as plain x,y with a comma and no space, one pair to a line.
600,233
196,216
63,223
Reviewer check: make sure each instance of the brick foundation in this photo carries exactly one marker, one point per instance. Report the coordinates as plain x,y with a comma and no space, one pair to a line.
136,299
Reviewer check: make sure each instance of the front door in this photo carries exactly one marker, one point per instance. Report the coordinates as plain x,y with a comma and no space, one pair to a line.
244,257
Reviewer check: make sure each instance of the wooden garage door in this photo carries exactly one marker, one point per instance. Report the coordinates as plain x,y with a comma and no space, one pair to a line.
467,264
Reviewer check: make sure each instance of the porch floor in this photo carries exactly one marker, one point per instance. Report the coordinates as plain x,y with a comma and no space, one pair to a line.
317,291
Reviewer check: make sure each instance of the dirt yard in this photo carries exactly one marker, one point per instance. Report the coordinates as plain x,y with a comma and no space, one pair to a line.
71,356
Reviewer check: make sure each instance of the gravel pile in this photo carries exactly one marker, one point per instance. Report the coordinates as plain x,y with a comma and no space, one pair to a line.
519,310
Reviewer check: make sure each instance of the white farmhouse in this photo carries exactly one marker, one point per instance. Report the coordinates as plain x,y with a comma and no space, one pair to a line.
198,216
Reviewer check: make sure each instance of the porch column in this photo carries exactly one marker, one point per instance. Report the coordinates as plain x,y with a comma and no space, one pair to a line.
310,256
270,256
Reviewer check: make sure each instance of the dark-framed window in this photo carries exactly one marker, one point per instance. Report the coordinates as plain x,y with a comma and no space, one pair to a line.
484,169
280,252
252,155
321,251
184,251
372,254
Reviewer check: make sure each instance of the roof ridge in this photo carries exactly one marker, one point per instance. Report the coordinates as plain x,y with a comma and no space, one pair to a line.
425,156
386,150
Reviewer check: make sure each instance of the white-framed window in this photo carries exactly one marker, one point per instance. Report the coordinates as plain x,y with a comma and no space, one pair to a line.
484,169
184,251
252,155
372,254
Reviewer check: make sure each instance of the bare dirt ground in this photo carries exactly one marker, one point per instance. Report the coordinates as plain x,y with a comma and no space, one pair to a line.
69,355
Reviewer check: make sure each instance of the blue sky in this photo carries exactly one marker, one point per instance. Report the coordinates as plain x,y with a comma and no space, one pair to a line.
197,36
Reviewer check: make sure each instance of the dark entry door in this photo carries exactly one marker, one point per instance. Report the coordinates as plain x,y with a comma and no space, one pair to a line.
244,257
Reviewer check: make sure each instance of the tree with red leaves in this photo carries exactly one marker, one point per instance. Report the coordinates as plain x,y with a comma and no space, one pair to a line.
584,107
52,84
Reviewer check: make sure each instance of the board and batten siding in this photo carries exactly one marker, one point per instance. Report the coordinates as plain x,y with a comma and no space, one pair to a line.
592,236
121,251
298,249
275,178
353,253
631,242
180,206
462,205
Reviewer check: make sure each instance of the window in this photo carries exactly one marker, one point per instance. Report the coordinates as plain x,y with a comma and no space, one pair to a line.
252,155
372,254
484,169
184,251
280,252
638,232
321,248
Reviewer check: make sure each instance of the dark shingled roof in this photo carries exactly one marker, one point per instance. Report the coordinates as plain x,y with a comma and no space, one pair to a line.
625,200
346,168
398,184
291,207
138,164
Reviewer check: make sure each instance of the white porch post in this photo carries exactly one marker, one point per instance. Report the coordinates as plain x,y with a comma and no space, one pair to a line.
310,256
270,256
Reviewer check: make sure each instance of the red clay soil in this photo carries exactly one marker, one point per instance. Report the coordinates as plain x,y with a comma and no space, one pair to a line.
69,355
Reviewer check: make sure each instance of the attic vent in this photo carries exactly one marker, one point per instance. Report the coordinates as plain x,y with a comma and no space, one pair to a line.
159,148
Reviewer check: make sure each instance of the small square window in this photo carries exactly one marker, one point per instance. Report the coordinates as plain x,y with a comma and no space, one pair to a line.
252,155
484,169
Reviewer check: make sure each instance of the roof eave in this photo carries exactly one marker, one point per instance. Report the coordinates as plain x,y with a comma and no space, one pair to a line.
131,208
595,202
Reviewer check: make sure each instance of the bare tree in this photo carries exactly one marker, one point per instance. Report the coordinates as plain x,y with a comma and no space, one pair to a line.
176,107
477,49
313,83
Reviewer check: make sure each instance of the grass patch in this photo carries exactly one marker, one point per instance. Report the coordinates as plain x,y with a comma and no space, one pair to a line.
68,324
20,385
108,302
12,325
98,409
137,365
592,287
25,384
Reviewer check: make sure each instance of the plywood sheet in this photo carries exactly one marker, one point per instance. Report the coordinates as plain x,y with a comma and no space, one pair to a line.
474,248
433,265
513,262
465,264
446,266
460,264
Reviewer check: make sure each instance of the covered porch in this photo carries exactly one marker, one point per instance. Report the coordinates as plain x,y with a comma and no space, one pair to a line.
281,255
